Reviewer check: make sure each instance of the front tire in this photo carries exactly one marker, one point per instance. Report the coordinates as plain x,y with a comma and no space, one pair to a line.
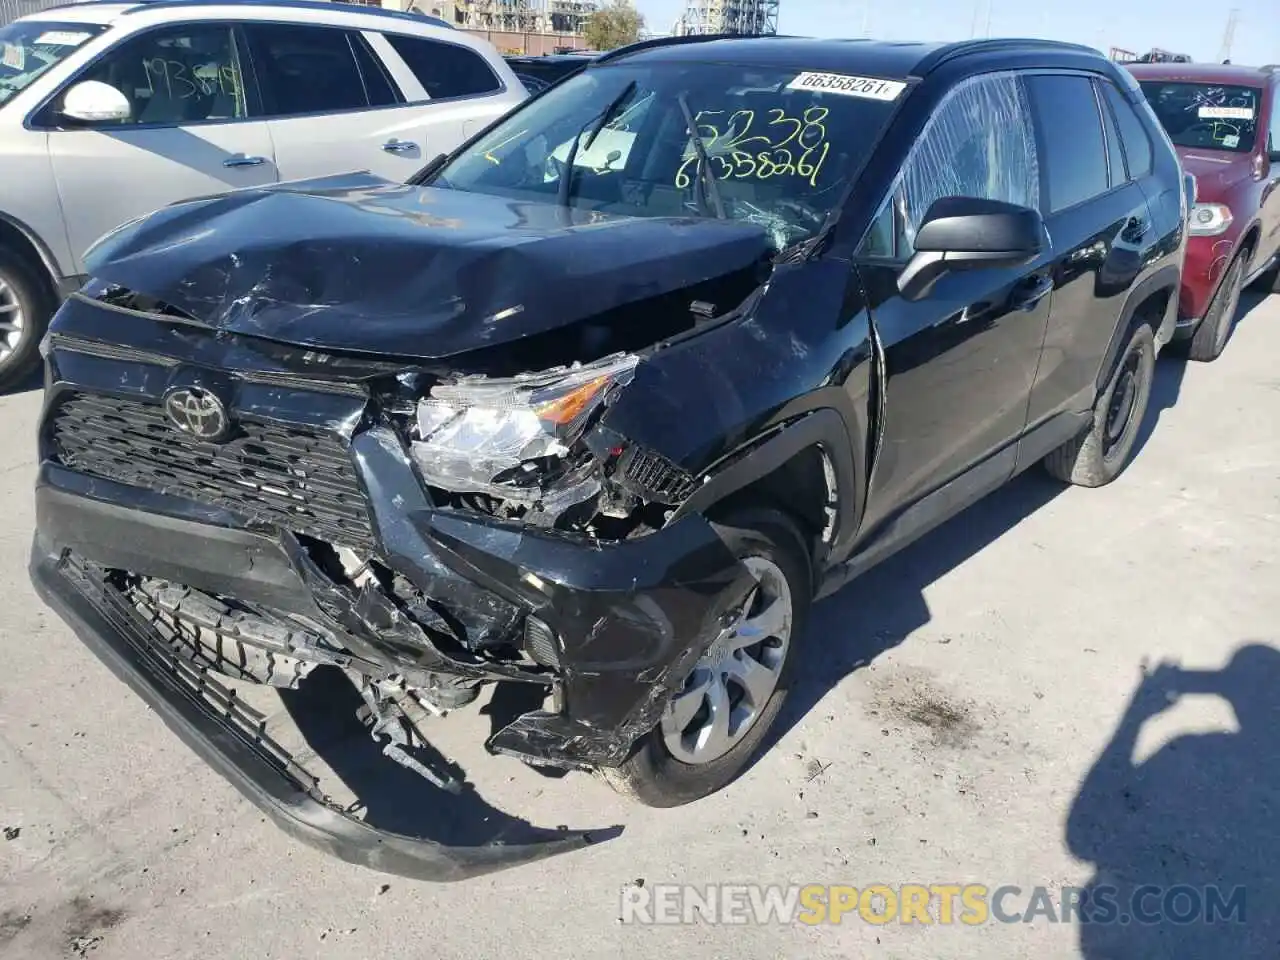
715,724
1215,329
1097,457
25,309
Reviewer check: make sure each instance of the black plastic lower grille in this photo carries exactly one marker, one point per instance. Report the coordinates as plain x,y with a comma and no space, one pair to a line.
293,478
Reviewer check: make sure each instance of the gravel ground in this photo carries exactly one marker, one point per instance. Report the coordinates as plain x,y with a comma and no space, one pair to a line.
959,697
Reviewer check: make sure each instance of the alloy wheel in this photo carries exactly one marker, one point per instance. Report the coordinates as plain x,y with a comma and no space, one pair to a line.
728,688
12,319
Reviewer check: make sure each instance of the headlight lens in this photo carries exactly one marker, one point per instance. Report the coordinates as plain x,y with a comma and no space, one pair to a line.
1209,219
478,435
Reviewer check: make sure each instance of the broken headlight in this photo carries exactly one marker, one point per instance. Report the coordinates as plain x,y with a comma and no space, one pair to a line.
514,438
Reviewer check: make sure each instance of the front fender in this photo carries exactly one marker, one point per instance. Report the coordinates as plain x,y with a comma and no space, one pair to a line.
824,429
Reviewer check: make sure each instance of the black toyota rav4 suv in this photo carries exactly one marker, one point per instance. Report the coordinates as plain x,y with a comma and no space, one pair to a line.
600,403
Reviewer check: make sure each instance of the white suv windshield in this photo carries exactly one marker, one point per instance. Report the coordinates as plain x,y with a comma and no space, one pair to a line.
29,48
780,151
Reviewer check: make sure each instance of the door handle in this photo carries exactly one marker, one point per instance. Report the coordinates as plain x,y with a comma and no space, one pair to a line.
240,160
1135,229
399,146
1030,292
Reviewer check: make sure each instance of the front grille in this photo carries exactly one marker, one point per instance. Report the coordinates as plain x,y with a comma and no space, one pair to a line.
290,477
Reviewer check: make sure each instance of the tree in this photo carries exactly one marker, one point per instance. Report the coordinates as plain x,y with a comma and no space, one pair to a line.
614,25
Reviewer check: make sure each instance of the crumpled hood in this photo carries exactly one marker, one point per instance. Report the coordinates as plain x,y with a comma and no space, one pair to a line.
1216,172
358,263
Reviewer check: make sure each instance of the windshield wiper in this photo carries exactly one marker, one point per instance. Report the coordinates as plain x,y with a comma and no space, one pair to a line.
706,177
594,125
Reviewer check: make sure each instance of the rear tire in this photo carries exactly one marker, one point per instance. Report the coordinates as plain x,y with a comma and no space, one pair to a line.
653,774
1215,329
1097,457
25,309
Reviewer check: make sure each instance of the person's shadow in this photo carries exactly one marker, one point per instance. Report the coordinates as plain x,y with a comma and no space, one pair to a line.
1185,844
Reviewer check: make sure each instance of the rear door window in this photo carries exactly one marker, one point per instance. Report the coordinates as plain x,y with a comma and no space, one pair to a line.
304,69
445,69
1075,155
1133,134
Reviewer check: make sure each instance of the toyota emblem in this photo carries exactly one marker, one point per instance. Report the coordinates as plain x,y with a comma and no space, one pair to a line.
198,412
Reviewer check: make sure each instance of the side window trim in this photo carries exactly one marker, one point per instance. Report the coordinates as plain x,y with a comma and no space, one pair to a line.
1111,125
41,116
1112,93
360,45
401,76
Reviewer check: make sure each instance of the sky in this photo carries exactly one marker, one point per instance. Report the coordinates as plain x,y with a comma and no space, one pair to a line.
1195,27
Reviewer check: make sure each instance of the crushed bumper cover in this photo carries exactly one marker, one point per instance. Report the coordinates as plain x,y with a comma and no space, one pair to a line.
231,739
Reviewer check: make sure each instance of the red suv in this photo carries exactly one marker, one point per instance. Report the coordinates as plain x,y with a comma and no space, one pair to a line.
1224,122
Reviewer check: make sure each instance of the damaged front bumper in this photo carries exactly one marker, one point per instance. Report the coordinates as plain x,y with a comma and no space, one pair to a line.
611,628
231,738
619,625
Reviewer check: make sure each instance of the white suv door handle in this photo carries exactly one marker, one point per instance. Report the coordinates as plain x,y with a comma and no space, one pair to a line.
240,160
399,146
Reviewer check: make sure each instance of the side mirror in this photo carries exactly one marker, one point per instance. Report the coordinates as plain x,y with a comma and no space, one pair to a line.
95,102
965,233
1274,156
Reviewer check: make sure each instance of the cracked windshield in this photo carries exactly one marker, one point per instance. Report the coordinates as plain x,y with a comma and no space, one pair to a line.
29,49
771,148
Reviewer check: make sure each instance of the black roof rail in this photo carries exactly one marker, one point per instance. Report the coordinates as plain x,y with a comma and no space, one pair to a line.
620,52
964,48
1270,67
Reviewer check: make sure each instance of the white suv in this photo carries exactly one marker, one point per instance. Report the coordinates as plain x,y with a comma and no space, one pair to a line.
111,110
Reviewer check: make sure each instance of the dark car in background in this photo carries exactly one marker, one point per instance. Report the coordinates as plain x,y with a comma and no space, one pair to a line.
600,404
1224,122
538,73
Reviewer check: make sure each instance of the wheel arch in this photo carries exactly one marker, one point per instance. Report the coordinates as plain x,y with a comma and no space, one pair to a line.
1146,304
804,466
16,236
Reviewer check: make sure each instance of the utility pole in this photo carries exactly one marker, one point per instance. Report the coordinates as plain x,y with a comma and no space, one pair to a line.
987,32
1228,36
866,20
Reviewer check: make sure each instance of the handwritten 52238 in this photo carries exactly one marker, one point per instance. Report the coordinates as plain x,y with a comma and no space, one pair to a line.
746,148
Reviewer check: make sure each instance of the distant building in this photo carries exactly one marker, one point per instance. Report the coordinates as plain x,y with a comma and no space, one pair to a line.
749,17
531,27
1154,55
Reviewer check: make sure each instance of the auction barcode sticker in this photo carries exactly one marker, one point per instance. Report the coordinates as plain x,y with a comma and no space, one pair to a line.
61,38
1225,113
870,88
